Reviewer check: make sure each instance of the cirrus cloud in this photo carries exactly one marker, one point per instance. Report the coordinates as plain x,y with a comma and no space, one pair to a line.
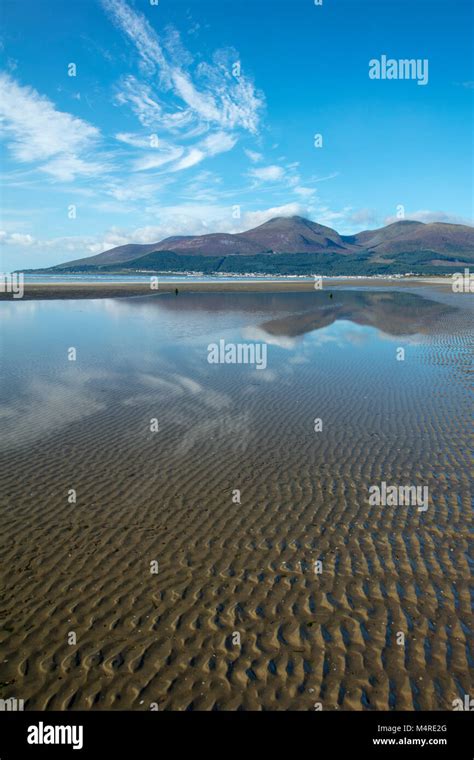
267,173
36,131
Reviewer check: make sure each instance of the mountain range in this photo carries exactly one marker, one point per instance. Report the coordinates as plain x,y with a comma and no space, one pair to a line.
294,245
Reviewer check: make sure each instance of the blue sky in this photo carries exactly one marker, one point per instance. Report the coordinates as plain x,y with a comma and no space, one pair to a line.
159,133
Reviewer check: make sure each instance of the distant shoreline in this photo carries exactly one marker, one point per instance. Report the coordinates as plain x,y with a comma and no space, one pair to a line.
71,290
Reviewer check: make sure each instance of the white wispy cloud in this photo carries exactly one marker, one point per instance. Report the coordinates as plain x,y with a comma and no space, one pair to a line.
144,104
188,100
35,131
16,238
139,31
219,142
304,192
254,218
67,167
158,157
193,156
135,140
267,173
183,157
253,155
135,187
285,176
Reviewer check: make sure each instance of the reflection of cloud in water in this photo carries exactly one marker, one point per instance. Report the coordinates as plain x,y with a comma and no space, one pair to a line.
410,340
341,333
175,386
299,359
233,428
43,407
14,309
265,376
222,426
259,335
46,406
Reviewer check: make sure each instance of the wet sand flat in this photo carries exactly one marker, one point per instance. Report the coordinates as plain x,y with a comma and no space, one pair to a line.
239,615
80,290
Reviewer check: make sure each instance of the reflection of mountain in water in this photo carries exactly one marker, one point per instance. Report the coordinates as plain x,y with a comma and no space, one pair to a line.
293,314
392,313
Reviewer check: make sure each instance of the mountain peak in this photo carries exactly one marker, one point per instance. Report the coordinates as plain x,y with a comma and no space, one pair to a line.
404,222
282,220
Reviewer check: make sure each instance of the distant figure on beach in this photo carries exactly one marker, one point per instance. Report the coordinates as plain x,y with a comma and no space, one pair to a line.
176,291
